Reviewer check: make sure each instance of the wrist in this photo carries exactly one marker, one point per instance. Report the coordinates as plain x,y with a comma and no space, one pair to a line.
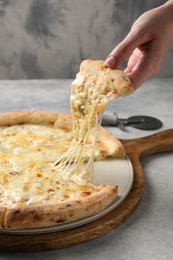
168,5
167,10
169,2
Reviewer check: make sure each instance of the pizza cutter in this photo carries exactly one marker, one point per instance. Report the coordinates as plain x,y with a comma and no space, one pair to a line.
140,122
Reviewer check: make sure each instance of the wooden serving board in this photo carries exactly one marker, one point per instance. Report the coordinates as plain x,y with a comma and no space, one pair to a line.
136,150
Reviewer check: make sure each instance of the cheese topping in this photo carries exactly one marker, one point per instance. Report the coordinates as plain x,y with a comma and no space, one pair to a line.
28,175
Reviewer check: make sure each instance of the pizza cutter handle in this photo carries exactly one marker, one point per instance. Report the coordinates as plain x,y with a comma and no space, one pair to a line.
110,120
153,144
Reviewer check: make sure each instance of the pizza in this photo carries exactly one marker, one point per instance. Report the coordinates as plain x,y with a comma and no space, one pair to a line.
46,159
32,193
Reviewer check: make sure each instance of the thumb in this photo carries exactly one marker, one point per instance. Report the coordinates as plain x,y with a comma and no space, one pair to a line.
142,66
123,51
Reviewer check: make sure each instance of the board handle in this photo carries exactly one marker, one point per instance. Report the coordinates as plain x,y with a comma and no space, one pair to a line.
145,146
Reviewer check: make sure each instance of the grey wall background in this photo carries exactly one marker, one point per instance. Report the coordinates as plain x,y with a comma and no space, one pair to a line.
49,38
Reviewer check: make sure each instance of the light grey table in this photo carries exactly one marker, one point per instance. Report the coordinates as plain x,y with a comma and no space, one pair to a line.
148,233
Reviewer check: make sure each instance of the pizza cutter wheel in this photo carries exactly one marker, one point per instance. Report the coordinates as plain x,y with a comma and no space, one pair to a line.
140,122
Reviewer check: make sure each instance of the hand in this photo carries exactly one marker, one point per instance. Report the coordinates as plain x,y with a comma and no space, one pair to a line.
146,44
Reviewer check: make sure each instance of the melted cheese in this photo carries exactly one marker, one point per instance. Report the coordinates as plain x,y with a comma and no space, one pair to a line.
28,175
88,101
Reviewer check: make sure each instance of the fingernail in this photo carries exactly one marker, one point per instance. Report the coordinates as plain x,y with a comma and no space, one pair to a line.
111,61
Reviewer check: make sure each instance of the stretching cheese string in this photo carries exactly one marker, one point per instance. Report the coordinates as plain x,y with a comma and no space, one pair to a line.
88,101
72,163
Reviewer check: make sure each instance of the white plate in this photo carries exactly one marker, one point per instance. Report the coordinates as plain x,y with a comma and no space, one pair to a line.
115,171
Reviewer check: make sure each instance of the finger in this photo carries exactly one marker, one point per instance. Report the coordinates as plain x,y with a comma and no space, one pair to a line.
123,51
147,66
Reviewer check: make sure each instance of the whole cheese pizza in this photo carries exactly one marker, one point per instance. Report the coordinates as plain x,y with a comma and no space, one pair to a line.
46,159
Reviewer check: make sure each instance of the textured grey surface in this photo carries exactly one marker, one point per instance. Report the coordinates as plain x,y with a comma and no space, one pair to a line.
49,38
148,233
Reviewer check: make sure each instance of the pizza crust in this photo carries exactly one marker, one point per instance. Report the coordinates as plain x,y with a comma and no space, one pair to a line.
42,216
109,146
35,117
117,81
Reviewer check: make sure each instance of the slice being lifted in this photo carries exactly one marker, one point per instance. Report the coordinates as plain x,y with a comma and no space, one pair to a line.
34,190
94,87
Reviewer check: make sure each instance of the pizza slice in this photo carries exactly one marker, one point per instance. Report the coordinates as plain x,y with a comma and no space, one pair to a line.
95,86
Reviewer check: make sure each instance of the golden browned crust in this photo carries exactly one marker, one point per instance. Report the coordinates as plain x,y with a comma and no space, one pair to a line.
49,215
116,79
109,146
35,117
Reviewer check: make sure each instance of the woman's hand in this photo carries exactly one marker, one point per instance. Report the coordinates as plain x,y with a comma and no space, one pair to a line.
146,44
